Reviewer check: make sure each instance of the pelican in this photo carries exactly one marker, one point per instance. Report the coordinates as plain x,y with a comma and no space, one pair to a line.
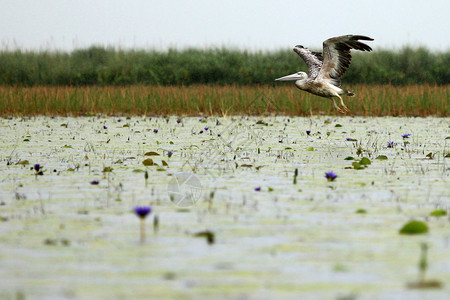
325,70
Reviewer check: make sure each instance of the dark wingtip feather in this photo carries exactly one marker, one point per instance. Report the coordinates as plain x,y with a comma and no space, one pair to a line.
361,37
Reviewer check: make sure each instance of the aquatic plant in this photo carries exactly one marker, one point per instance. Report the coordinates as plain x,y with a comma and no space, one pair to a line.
155,130
438,213
258,188
308,132
422,283
414,227
95,182
391,145
38,170
330,176
420,100
142,212
406,135
208,235
146,177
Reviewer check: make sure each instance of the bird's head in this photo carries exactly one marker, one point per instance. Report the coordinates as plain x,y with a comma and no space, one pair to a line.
293,77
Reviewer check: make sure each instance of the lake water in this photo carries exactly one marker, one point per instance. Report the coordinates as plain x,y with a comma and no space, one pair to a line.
64,236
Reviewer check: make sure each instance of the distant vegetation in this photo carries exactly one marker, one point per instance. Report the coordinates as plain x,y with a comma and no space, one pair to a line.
195,100
221,66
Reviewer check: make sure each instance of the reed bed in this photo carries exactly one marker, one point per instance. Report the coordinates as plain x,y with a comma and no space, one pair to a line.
285,99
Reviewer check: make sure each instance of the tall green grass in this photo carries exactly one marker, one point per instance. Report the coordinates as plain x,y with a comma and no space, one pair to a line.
380,100
109,66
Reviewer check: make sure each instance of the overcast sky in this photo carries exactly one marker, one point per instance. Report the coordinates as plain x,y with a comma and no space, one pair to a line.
253,25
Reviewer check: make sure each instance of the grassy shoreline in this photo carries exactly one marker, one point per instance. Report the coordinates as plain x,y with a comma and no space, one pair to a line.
193,100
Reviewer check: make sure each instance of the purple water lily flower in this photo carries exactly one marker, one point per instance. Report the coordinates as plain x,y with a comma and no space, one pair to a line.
390,145
104,127
330,176
37,167
257,189
178,121
95,182
308,132
155,130
206,128
169,154
406,135
142,211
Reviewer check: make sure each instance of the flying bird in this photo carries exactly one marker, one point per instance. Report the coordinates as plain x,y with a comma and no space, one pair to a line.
325,70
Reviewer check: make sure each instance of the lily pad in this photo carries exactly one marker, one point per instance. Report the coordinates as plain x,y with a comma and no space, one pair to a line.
151,153
365,161
438,213
357,166
414,227
381,157
23,162
148,162
107,169
349,158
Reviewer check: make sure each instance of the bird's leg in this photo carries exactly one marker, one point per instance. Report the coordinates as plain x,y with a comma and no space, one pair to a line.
343,105
337,107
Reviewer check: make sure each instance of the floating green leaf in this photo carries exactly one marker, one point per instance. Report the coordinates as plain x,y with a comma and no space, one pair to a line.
381,157
107,169
209,235
164,163
361,211
151,153
349,158
310,149
365,161
438,213
414,227
148,162
357,166
338,125
23,162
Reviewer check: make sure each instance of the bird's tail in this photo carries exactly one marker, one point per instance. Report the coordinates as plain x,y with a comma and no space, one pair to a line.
349,93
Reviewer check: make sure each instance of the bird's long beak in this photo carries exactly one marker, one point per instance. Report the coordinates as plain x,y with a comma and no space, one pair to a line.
292,77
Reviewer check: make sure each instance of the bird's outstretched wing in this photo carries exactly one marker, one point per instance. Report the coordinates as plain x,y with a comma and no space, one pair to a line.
337,57
312,59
